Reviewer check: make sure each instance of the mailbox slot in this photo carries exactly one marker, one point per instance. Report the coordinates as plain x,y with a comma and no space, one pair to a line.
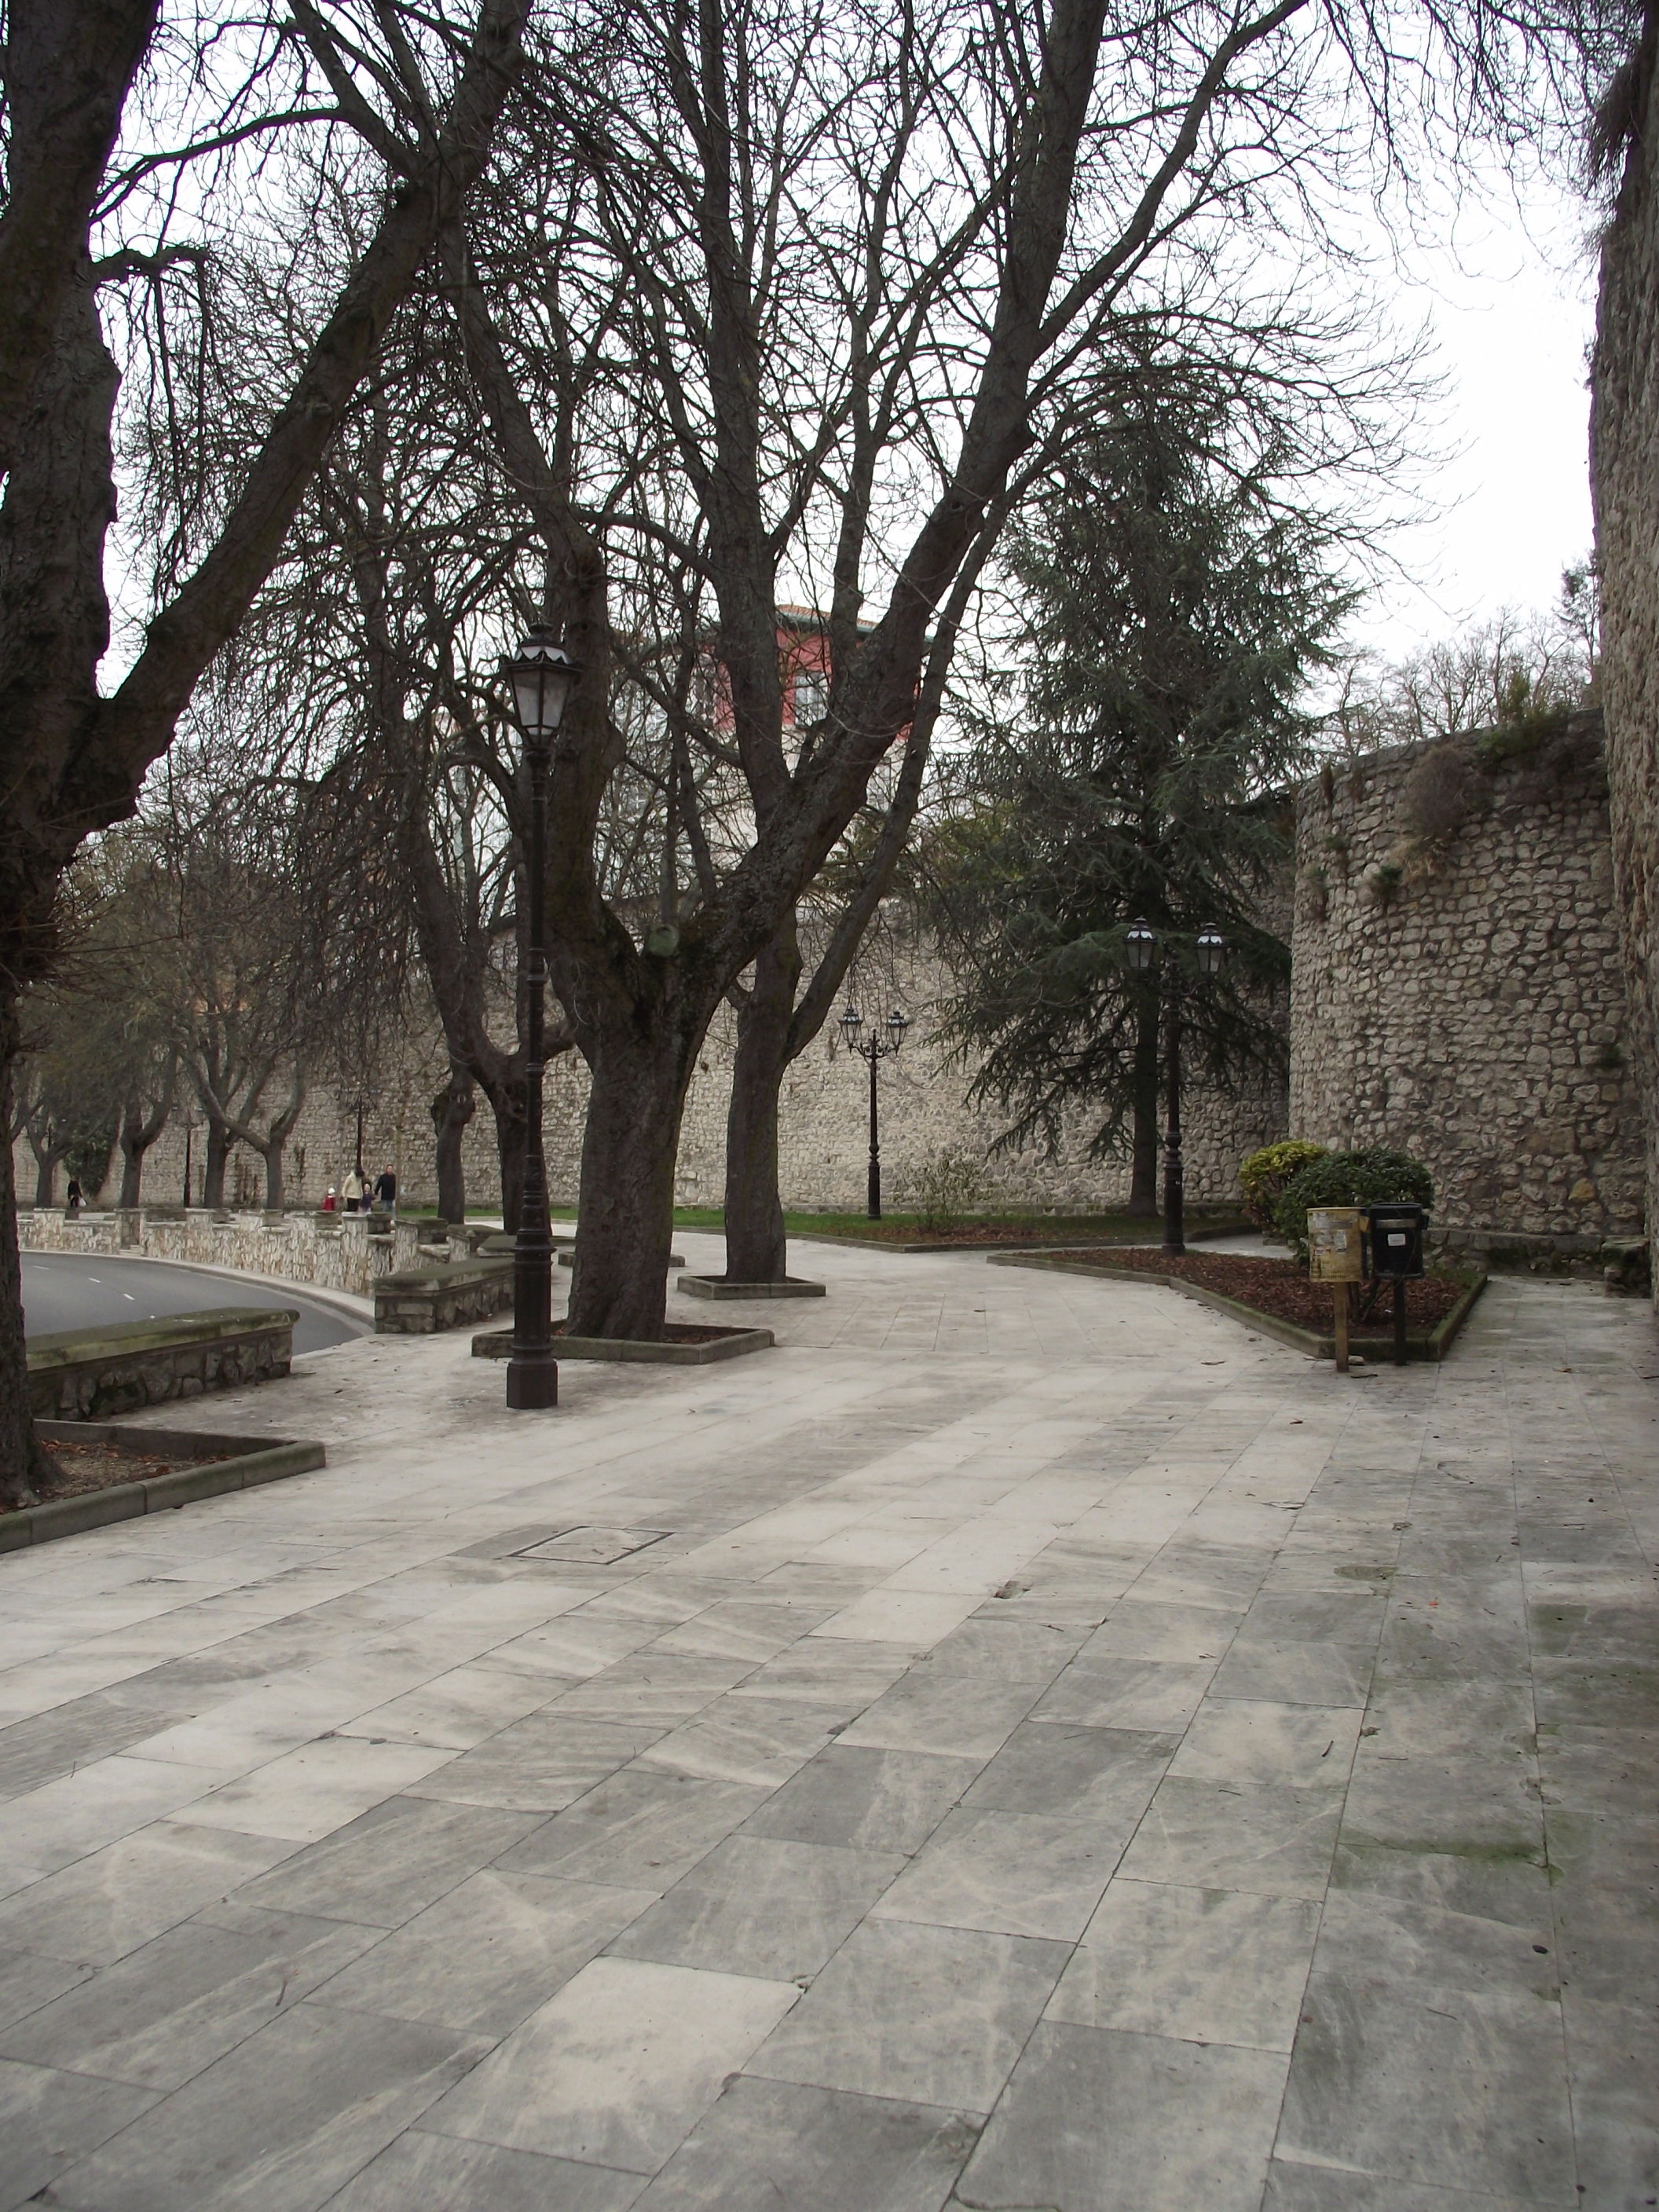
1396,1236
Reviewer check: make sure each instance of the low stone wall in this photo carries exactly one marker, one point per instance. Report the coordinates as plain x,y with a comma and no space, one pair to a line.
441,1297
345,1252
81,1374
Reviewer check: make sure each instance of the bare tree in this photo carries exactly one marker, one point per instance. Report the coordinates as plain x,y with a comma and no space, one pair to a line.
84,215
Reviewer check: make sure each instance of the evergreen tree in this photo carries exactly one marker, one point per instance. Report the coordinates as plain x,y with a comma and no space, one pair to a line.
1172,609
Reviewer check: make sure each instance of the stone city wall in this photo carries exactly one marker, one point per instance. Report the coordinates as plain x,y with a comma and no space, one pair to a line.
824,1136
1625,481
1457,990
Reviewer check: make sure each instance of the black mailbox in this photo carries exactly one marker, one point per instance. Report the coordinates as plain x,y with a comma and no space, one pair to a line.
1397,1240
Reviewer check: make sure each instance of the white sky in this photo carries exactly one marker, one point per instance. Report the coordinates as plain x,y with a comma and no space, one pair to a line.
1510,303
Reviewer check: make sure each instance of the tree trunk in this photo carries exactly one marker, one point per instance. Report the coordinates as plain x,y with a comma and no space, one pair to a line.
625,1217
451,1110
218,1155
138,1133
756,1247
507,1103
1143,1173
23,1467
272,1154
45,1176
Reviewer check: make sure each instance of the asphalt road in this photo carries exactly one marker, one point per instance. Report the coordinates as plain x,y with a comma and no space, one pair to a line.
64,1290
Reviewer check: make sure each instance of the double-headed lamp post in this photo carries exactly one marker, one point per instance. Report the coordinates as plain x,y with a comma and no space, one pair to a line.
541,675
1141,945
874,1049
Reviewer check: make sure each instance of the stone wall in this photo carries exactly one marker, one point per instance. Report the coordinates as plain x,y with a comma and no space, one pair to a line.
824,1142
1457,990
332,1254
1625,481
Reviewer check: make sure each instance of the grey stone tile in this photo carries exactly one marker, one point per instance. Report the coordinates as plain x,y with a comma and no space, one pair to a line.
748,1629
423,2173
1507,1882
1205,1835
483,1958
759,1906
541,1765
1594,1770
1148,1628
390,1863
162,2014
1104,1776
1157,1695
1226,1578
869,1800
1460,1807
781,2147
618,2067
1007,1651
643,1828
1607,1903
926,2015
1250,1744
48,2119
846,1675
1610,2069
112,1901
27,1982
1352,1616
56,1742
652,1689
1295,1674
1435,1718
1318,2188
1613,1694
282,2122
1099,2121
1014,1873
1382,2081
1209,1966
1364,1937
962,1715
758,1741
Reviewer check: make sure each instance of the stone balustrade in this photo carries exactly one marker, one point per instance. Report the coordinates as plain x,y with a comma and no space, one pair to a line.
339,1252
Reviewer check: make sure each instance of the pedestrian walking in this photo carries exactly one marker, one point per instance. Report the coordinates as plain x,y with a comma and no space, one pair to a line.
385,1192
72,1197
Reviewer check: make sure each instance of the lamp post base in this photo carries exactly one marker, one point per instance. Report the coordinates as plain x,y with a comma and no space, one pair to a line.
532,1381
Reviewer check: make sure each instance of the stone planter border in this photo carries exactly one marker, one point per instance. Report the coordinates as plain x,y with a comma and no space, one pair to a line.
1378,1350
259,1461
114,1367
497,1344
716,1286
971,1251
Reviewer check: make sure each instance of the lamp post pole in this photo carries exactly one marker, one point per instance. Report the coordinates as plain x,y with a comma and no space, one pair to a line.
190,1131
541,674
1141,946
874,1050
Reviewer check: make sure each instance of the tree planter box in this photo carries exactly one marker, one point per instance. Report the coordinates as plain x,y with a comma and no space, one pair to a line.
730,1343
1378,1350
78,1373
255,1460
1017,1244
716,1286
421,1302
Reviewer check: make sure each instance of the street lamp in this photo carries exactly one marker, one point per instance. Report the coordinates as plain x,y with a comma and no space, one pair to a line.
190,1132
874,1048
1140,946
541,675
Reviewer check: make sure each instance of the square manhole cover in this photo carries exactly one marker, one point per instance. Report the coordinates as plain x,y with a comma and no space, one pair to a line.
592,1547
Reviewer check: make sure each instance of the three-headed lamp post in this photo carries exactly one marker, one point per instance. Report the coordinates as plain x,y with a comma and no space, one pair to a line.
540,676
1141,946
874,1049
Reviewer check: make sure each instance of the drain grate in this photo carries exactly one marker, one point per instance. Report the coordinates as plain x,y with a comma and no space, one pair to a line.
592,1547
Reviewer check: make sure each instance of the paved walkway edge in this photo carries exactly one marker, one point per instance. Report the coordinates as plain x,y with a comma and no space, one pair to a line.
1436,1347
69,1516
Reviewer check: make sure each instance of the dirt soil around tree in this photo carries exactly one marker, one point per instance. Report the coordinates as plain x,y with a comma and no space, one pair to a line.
1281,1288
78,1469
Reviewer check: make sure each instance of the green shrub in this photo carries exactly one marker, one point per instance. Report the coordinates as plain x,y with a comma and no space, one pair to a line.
947,1185
1265,1174
1377,1177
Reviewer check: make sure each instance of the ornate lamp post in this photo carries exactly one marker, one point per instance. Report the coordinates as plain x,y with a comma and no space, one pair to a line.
1141,945
541,675
874,1049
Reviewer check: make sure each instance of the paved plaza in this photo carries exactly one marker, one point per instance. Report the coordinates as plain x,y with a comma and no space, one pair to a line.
1025,1742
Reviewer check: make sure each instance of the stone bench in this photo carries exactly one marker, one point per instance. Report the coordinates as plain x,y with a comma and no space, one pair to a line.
420,1301
81,1373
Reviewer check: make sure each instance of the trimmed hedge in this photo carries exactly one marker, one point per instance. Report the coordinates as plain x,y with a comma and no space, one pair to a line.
1377,1177
1265,1175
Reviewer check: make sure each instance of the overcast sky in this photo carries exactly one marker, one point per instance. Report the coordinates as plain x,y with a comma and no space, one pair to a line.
1511,304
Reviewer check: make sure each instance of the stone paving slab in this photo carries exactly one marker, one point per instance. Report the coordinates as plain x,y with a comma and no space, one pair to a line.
1048,1747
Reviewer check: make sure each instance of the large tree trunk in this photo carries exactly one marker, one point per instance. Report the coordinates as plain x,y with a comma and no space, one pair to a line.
23,1467
218,1156
46,1174
138,1133
273,1155
451,1110
625,1217
507,1103
1143,1173
756,1247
